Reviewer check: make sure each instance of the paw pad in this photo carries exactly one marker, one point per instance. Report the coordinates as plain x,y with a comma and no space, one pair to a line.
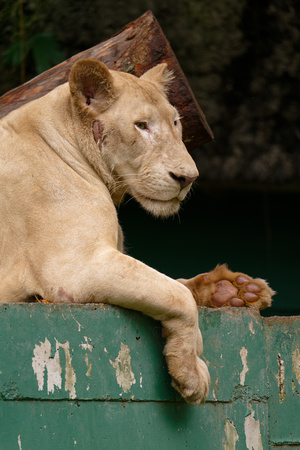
237,293
247,291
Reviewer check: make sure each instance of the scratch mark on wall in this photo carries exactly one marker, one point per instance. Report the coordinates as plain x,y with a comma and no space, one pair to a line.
252,432
243,354
19,442
280,378
42,360
231,435
122,364
296,363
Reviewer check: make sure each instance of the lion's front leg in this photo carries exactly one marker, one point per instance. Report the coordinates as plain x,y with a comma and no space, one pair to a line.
112,277
190,376
144,289
222,287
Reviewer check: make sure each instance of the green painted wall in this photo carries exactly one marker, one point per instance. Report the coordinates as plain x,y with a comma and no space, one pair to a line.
93,377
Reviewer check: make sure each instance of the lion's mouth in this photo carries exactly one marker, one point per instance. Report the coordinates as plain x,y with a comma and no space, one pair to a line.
159,207
142,198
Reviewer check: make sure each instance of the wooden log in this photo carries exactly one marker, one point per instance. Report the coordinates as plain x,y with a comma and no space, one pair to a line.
139,46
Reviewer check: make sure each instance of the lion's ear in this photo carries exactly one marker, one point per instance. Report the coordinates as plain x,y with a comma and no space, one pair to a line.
161,76
91,85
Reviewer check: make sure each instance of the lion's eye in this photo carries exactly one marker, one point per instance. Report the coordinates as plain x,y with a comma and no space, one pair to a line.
141,125
176,122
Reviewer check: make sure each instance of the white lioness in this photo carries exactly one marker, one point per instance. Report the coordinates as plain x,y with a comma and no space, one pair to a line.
66,160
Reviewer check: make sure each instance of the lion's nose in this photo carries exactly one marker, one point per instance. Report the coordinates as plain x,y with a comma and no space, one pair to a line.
183,180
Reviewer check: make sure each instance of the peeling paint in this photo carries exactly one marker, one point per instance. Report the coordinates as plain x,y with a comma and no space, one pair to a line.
122,364
87,345
216,386
231,435
251,327
280,378
70,377
42,360
79,324
296,363
88,365
243,354
252,432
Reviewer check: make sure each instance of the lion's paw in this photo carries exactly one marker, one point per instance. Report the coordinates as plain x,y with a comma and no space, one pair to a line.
243,291
222,287
192,385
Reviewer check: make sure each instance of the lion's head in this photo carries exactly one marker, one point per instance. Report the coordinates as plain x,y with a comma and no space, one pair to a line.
136,131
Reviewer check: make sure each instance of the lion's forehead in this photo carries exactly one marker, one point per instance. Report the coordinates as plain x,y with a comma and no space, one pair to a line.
143,101
153,112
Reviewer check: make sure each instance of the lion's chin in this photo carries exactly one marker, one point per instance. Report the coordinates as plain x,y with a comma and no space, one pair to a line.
159,208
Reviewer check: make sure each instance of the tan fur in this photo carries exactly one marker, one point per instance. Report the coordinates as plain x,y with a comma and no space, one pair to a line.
66,160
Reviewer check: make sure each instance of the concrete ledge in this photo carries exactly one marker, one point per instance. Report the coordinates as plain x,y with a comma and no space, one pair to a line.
93,376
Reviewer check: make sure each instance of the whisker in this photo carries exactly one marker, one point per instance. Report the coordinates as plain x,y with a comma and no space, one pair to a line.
130,198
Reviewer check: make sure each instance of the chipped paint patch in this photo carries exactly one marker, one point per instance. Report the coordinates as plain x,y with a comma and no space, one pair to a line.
280,378
251,327
79,324
122,365
296,363
216,386
19,442
141,380
88,365
87,345
231,435
243,354
42,360
70,377
252,432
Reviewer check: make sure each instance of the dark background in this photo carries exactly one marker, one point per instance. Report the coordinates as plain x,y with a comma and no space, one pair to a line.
242,59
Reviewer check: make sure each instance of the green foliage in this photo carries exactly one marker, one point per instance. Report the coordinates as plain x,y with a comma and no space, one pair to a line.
28,45
43,47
